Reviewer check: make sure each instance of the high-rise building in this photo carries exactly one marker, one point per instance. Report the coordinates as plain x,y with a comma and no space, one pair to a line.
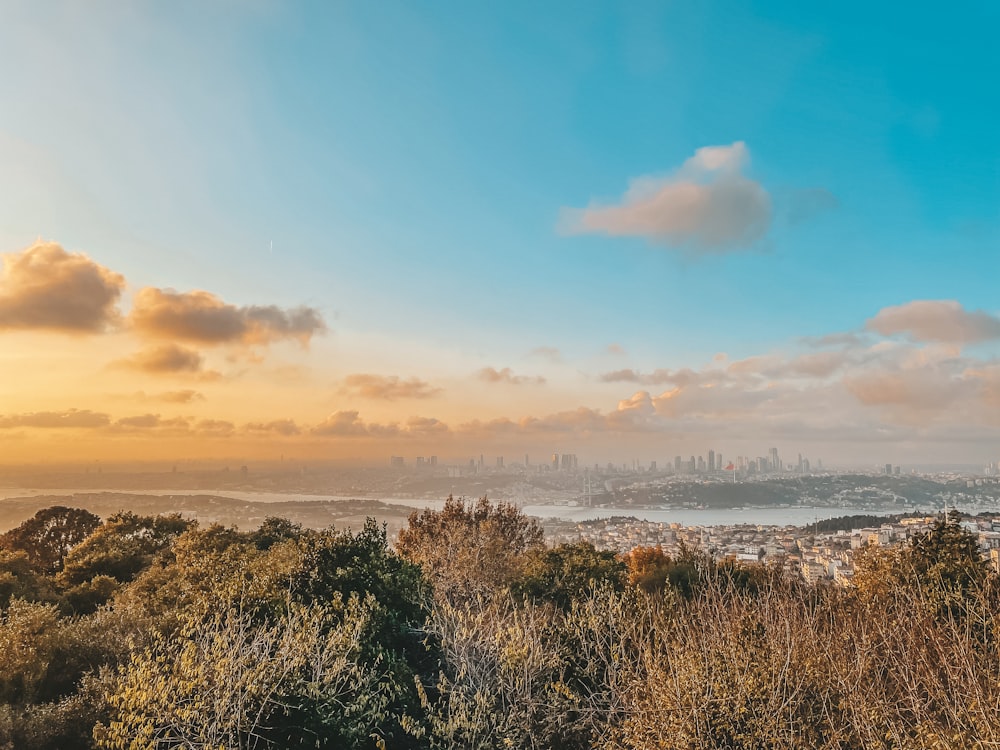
567,462
652,465
711,460
396,461
678,462
499,462
888,468
773,459
434,460
420,462
555,462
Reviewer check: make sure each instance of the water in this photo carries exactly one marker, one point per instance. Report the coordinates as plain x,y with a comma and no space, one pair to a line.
796,516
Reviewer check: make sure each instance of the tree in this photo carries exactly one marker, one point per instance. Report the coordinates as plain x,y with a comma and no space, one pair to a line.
469,548
568,572
49,535
122,547
20,579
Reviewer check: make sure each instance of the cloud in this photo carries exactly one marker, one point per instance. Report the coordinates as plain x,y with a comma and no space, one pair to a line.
278,426
425,426
342,424
832,339
810,202
204,318
350,424
944,321
168,358
388,388
71,418
178,397
506,375
616,348
142,421
44,287
707,205
682,377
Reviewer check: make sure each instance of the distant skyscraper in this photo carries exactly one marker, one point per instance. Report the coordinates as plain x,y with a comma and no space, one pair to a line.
499,462
434,460
711,460
396,461
678,462
652,465
775,462
555,462
888,468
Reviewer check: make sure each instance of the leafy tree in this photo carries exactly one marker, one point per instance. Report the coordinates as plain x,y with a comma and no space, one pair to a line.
943,564
652,570
469,548
275,530
49,535
121,547
20,579
568,572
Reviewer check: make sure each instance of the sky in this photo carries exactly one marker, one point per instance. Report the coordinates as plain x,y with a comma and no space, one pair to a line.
350,230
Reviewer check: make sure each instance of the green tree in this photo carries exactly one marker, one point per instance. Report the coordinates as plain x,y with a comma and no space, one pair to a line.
121,547
49,535
20,579
568,572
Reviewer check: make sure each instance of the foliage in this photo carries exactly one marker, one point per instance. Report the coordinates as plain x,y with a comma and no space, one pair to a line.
568,572
469,549
121,547
233,682
20,579
49,535
157,636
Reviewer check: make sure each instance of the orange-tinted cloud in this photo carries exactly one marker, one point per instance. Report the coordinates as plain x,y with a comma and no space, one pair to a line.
44,287
944,321
178,397
204,318
388,388
275,426
165,359
707,205
71,418
507,376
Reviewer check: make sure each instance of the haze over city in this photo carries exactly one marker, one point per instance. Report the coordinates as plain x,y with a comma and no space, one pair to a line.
351,231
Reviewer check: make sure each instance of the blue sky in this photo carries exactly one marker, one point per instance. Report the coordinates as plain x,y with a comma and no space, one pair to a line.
408,170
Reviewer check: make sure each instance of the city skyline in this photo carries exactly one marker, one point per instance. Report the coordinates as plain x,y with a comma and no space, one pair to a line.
354,231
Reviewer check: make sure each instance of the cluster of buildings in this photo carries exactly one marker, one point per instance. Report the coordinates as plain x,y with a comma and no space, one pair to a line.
568,462
800,551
